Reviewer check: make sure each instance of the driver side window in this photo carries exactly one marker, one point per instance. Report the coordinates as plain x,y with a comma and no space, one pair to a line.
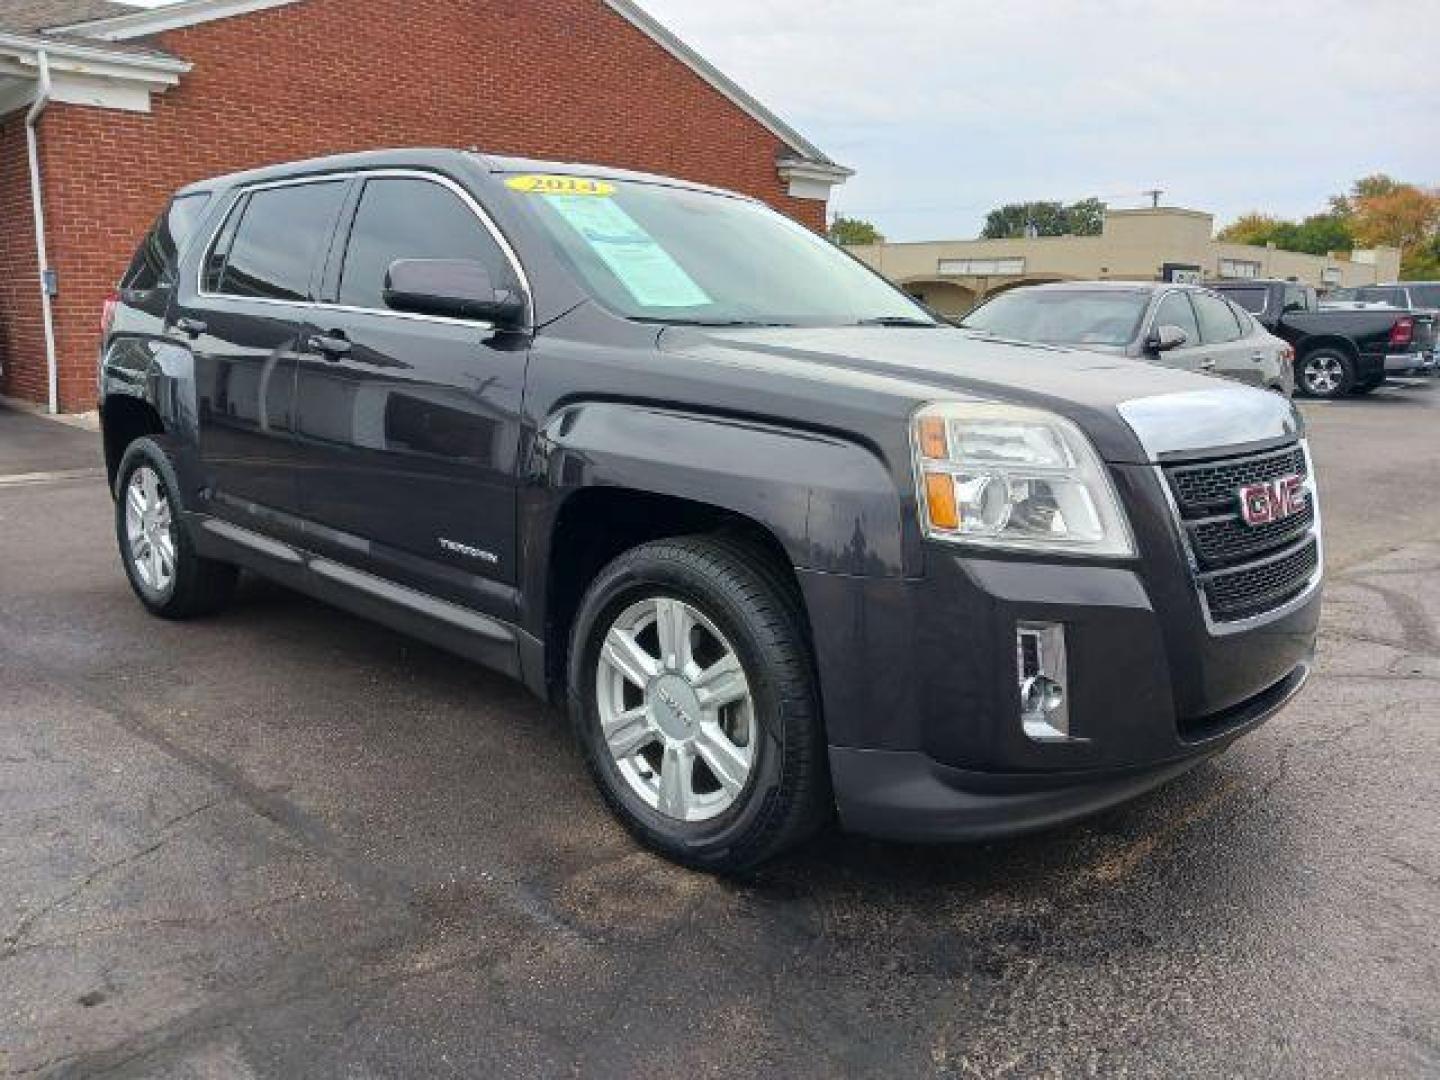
1175,310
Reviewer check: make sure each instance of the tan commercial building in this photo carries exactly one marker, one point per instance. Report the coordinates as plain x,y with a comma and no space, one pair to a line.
1165,243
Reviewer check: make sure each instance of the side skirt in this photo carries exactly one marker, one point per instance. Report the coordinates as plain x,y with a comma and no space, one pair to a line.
492,642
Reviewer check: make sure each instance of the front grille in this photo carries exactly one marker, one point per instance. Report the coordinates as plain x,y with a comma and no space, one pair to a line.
1259,587
1203,487
1227,539
1242,570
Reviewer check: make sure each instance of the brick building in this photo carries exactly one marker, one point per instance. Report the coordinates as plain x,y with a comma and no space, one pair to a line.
129,103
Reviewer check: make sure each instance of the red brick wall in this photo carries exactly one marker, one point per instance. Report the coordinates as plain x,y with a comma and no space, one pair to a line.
21,337
565,79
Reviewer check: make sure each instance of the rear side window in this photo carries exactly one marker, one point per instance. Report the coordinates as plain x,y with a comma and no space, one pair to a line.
1175,310
158,256
1374,295
409,218
1217,322
271,243
1297,300
1252,300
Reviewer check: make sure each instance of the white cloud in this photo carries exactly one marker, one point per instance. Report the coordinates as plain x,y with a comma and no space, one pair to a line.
948,107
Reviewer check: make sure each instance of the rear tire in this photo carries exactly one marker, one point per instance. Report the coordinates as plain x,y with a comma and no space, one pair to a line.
171,579
1325,373
688,652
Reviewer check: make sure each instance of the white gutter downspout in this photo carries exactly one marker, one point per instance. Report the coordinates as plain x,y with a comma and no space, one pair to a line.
42,99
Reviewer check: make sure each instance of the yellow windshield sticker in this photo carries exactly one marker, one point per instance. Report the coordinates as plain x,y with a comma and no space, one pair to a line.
560,185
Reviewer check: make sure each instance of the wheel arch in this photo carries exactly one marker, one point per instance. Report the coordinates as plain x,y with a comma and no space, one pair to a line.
606,476
147,387
1327,341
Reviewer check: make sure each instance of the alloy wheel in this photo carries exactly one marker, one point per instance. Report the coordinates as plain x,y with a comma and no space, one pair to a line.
676,709
149,531
1323,375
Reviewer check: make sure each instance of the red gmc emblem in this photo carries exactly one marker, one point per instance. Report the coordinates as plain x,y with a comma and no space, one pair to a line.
1272,500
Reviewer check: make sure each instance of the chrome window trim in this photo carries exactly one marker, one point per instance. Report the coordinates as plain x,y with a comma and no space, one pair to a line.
1153,319
1219,628
365,174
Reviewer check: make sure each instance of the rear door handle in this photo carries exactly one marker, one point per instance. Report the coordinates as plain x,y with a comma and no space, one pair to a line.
193,327
329,346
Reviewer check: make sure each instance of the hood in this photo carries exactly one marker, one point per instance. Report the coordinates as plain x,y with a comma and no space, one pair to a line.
1134,411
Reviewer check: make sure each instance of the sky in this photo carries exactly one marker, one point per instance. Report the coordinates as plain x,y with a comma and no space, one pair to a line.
947,108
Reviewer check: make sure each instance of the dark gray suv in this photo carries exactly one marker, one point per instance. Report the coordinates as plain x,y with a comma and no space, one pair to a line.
783,546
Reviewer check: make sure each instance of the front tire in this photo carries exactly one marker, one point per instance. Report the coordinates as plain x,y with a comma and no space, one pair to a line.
171,579
693,699
1325,373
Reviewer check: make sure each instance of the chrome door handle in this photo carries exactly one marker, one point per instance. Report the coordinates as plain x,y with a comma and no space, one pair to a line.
329,346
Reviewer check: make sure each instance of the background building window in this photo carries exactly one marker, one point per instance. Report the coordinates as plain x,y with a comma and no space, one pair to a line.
983,267
1239,268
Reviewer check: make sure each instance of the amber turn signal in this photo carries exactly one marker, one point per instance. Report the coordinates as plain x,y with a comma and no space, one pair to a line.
933,443
940,500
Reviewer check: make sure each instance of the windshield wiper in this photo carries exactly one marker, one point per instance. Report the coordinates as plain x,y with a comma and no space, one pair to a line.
897,320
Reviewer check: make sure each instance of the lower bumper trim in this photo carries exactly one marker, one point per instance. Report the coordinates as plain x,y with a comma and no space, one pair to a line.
908,795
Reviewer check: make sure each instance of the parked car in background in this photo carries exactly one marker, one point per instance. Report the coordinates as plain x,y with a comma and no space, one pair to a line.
1180,326
1337,351
782,544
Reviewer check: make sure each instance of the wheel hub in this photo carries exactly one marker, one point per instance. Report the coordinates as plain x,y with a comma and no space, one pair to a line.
675,707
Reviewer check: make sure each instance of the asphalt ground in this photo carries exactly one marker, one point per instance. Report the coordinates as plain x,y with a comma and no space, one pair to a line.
284,842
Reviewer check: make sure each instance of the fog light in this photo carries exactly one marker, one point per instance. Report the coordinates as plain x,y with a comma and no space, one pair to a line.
1040,667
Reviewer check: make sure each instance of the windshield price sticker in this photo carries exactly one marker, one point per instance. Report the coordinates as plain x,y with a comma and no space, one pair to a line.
560,185
648,272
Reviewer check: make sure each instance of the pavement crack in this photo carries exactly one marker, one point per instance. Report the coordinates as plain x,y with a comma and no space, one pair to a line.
10,944
1416,627
1418,871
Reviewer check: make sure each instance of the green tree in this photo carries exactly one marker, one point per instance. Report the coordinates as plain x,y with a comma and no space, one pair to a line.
1422,263
845,230
1318,234
1253,228
1014,220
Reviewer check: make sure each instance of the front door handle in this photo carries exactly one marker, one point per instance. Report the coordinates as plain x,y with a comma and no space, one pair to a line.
329,346
1207,363
193,327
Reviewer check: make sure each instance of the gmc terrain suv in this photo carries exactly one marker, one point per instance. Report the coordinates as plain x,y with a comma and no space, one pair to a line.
783,545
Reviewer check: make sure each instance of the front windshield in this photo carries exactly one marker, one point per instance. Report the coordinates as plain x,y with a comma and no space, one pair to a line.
1062,316
669,254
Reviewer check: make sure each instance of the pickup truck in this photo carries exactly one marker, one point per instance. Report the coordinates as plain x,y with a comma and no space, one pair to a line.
1337,352
784,547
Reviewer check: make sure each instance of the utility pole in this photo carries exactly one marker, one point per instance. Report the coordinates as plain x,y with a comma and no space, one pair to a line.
1154,194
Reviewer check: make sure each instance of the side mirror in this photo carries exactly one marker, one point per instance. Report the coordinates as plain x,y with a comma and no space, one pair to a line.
452,288
1164,338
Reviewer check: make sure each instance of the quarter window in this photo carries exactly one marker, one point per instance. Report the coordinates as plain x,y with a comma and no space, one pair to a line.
1175,310
270,245
155,261
410,218
1217,321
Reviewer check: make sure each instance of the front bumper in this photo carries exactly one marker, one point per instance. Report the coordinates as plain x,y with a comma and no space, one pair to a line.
919,681
907,795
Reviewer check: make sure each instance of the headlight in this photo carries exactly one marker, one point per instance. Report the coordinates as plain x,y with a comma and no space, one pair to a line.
1009,477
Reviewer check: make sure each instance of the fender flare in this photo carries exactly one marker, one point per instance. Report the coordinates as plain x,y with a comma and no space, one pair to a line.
831,503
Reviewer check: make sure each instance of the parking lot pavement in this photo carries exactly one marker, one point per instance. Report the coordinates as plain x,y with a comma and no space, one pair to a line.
284,842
